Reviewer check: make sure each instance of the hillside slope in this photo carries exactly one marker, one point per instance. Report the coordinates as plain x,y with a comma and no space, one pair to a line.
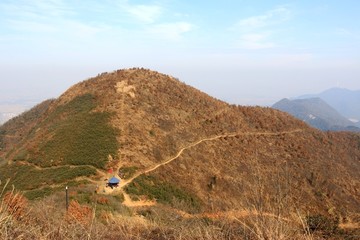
135,119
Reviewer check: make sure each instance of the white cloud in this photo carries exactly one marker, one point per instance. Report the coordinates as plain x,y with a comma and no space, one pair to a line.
272,17
343,32
143,13
256,32
32,26
48,18
36,9
255,41
171,31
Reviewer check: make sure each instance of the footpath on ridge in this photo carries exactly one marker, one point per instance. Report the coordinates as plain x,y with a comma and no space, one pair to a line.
126,182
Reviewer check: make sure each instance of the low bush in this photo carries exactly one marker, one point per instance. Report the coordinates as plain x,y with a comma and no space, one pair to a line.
25,177
163,192
324,225
39,193
127,172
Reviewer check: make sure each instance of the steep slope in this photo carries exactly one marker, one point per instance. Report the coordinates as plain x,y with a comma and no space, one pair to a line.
13,130
315,112
345,101
202,154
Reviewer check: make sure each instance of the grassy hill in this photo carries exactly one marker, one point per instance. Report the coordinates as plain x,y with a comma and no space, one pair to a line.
202,157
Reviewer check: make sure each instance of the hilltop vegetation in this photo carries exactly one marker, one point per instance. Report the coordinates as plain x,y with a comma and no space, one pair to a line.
257,161
81,137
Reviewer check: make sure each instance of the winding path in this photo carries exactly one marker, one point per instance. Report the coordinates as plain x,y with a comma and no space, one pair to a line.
130,180
124,183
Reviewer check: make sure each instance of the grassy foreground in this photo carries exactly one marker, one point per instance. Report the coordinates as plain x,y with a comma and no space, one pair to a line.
94,216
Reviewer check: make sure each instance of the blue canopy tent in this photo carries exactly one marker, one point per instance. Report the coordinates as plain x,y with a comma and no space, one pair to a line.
113,182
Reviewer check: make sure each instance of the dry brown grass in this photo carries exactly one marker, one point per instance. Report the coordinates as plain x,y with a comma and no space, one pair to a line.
48,219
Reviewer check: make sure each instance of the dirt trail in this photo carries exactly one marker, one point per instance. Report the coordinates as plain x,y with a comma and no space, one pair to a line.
140,203
127,200
126,182
230,214
123,183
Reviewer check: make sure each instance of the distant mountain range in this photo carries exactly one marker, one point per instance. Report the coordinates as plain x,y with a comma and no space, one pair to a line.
346,102
335,109
10,109
5,116
317,113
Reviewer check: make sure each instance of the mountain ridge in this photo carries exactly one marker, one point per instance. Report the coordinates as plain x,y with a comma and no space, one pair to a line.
135,120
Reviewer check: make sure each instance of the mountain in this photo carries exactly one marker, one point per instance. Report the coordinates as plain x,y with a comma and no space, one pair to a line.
346,102
189,164
5,116
315,112
10,109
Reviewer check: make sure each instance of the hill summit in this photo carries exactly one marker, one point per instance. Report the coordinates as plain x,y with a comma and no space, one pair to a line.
174,146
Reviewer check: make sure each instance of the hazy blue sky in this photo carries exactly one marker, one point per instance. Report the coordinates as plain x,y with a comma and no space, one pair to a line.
244,51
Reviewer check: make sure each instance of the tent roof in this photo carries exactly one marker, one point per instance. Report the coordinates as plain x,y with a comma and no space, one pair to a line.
114,180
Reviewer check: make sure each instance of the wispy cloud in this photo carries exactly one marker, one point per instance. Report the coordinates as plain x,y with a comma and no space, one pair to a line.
272,17
143,13
255,41
170,31
256,32
46,17
61,21
36,9
151,19
345,32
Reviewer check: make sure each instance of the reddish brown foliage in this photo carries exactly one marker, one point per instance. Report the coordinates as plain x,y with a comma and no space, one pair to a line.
102,201
16,204
79,213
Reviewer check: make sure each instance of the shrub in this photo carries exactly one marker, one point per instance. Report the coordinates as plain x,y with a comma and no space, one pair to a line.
80,213
26,177
163,192
21,155
127,172
39,193
16,204
324,225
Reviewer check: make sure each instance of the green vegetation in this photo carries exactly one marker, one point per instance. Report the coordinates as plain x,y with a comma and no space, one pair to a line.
127,172
163,192
25,177
2,134
39,193
21,155
82,137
